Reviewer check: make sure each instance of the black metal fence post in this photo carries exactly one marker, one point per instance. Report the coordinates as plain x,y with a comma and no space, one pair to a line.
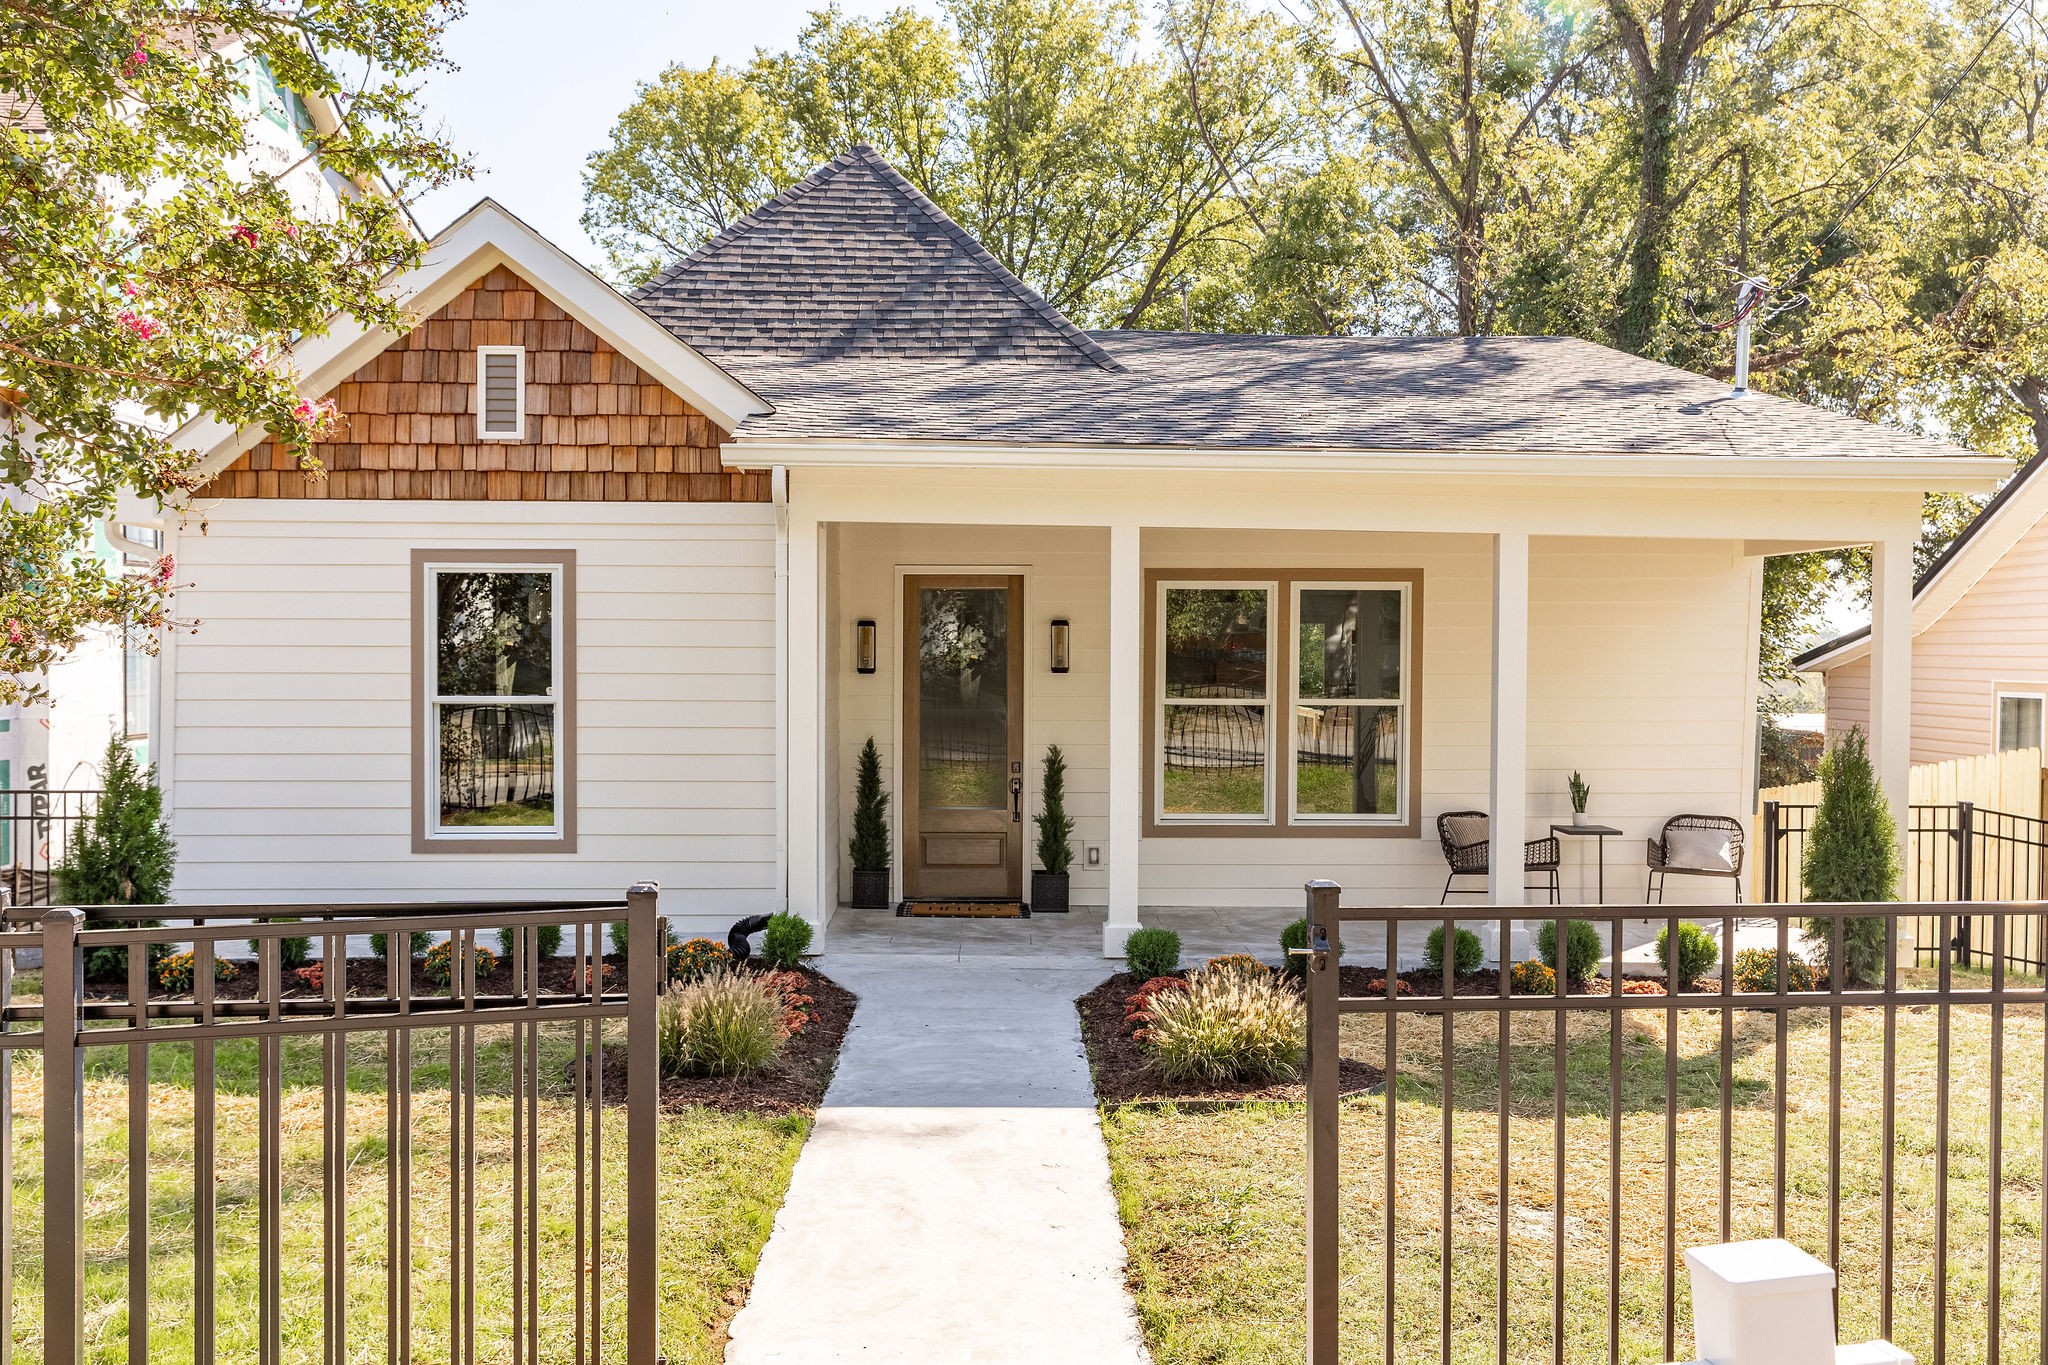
1770,843
63,1140
1966,846
1323,990
643,1094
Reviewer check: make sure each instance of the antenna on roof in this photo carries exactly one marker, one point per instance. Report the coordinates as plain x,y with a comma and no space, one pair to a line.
1752,292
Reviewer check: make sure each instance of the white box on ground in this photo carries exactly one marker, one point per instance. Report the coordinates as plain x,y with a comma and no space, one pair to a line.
1769,1303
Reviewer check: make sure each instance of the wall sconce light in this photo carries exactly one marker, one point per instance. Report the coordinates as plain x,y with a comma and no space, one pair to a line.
1062,645
863,646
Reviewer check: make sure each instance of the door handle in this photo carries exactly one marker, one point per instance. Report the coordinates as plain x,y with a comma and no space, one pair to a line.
1016,800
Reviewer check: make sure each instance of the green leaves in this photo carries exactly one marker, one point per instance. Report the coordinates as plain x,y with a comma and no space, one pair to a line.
169,230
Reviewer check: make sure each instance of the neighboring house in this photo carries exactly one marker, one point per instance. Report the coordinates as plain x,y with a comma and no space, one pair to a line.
1980,636
102,689
600,589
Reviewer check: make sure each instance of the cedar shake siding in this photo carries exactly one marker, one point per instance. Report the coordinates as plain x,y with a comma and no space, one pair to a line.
598,429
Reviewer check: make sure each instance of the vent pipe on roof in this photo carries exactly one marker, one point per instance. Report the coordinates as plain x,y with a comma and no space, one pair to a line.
1749,293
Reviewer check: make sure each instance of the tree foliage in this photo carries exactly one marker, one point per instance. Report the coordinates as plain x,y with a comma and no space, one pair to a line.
1604,170
153,266
869,847
1852,856
121,854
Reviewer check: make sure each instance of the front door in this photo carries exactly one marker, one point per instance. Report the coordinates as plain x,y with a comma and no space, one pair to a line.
963,723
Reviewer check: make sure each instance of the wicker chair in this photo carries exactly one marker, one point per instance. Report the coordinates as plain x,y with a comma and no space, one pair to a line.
1660,856
1540,856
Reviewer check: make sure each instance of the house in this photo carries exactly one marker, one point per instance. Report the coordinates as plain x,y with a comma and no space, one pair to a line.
599,588
1980,637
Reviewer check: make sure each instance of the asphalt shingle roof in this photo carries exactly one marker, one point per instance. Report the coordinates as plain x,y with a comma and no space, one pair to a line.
1485,394
853,262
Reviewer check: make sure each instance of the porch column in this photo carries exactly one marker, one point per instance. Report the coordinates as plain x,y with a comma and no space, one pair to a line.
811,894
1508,794
1126,733
1891,676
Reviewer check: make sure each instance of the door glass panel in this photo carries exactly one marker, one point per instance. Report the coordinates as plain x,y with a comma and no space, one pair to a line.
963,711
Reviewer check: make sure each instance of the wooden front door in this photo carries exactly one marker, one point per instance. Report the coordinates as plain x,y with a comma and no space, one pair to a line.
963,727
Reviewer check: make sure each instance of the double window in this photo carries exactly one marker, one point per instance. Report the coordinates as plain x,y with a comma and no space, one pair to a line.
494,763
1283,701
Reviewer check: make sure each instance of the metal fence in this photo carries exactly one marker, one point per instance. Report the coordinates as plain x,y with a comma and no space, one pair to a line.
35,828
1958,853
550,1288
1567,1145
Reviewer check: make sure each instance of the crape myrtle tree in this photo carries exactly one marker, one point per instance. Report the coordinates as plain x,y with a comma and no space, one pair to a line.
150,269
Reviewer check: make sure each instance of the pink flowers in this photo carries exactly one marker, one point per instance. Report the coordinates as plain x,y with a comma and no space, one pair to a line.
130,288
15,635
165,567
244,234
287,227
149,329
137,59
317,415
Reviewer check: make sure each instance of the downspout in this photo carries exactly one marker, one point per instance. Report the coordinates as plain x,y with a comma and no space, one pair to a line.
778,482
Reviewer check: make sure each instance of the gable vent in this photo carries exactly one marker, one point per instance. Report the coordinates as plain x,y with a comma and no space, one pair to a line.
501,393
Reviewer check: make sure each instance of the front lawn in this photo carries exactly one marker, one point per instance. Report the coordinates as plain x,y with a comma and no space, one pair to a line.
1211,1194
723,1173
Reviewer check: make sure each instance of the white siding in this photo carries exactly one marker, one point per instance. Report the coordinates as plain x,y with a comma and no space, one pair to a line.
291,775
1639,656
1995,638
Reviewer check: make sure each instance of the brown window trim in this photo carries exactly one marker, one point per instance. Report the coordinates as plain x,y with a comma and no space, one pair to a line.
424,789
1281,619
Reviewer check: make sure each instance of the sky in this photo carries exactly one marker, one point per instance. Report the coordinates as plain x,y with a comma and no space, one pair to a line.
540,85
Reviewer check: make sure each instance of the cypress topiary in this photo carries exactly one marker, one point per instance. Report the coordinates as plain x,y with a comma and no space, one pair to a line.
121,854
1852,855
1055,826
869,847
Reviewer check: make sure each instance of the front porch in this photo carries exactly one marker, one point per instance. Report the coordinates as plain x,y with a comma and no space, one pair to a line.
1509,640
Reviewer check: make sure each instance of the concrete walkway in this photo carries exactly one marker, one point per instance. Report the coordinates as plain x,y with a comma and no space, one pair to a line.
953,1202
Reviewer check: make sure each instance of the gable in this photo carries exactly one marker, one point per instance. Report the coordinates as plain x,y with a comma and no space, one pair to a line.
598,427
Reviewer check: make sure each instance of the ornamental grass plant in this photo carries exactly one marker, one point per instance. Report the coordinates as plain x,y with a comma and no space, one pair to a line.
1227,1026
726,1023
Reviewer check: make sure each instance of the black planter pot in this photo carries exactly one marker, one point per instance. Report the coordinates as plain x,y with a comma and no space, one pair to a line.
871,890
1048,892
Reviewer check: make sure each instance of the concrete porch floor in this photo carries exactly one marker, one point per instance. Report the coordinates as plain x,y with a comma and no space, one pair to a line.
1074,939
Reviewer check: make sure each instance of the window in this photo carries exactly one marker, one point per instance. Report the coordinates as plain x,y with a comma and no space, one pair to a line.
2019,720
136,651
501,393
1217,683
1284,703
1349,737
493,748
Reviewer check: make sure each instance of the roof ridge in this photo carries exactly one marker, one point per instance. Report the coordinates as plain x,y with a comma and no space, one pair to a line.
981,256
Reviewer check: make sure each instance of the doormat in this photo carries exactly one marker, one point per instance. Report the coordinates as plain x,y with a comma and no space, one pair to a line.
964,909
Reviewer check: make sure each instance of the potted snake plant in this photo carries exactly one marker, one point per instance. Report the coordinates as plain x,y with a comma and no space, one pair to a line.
869,847
1055,828
1580,791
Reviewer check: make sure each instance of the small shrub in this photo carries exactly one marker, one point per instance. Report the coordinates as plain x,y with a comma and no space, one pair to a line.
727,1024
1152,952
1292,937
1533,978
1237,962
799,1007
380,946
868,849
784,941
546,937
602,973
291,952
1756,969
121,854
439,968
1138,1005
1468,953
1228,1026
176,970
1378,986
618,933
1582,948
697,959
1852,856
313,976
1697,954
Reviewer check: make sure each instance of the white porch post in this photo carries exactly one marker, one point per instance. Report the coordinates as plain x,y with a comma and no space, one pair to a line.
1508,797
810,895
1126,733
1891,674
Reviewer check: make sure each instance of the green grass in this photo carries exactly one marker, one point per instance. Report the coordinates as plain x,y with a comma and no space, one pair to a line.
1321,789
961,786
722,1176
1212,1198
504,813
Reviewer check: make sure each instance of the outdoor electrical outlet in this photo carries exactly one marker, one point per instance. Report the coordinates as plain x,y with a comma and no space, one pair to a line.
1095,855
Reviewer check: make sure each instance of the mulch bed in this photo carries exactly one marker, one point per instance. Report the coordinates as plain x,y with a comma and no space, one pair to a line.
1123,1075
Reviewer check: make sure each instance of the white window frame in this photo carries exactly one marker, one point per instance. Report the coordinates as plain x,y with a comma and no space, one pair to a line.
1999,696
1296,701
1274,648
518,431
435,700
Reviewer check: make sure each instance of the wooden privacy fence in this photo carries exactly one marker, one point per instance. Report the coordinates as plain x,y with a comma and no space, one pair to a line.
1524,1181
528,1261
